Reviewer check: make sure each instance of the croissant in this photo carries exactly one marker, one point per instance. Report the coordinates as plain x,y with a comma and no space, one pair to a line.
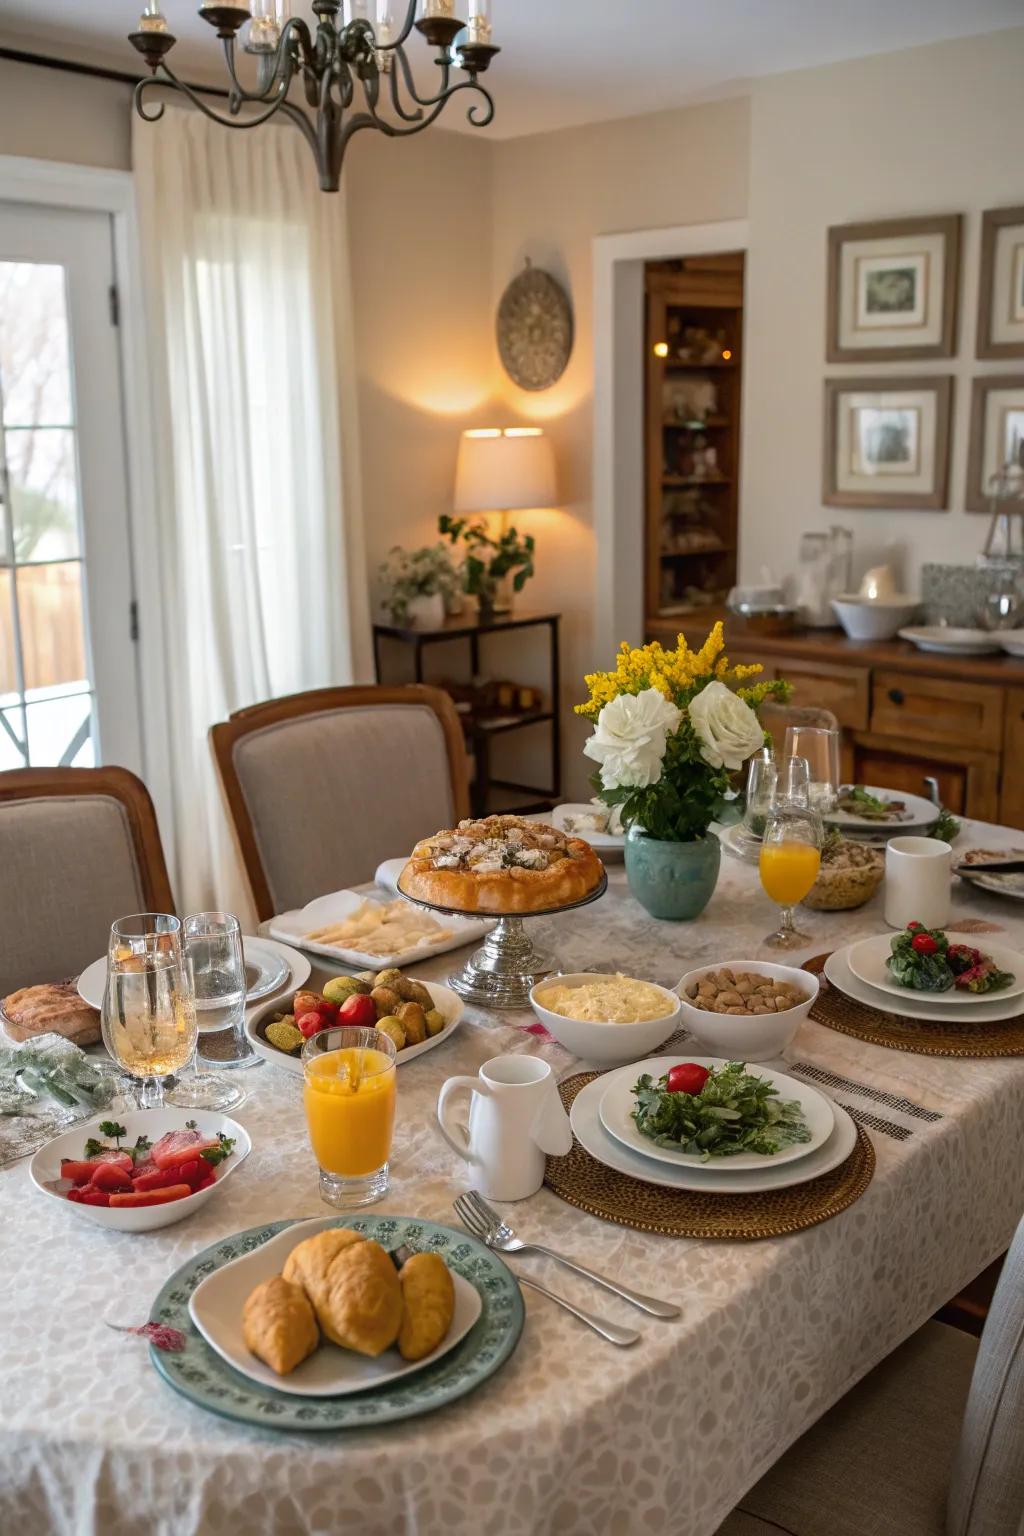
353,1286
278,1324
429,1297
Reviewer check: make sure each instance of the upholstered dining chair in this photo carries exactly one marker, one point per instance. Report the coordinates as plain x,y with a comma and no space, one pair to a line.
931,1443
322,786
78,848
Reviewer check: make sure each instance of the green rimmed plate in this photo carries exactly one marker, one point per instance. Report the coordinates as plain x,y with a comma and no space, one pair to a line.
201,1375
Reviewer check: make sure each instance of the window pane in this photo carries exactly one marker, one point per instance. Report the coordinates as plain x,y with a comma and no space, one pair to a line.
52,634
35,361
11,740
60,732
44,493
8,669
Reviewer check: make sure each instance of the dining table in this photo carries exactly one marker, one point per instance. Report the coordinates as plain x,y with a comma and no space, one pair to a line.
571,1435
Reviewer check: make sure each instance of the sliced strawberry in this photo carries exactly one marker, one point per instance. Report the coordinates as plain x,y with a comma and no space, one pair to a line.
180,1146
112,1155
80,1172
109,1176
137,1197
160,1178
91,1196
141,1169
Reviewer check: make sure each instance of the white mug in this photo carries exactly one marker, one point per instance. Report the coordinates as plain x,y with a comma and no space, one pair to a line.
515,1118
918,879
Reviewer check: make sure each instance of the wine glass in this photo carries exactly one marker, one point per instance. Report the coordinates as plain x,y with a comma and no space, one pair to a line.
819,744
214,958
761,781
789,862
148,1017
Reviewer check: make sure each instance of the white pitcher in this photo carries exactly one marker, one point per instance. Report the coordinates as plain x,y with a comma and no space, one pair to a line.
515,1118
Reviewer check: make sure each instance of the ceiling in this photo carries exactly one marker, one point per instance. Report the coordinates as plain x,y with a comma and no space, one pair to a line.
565,62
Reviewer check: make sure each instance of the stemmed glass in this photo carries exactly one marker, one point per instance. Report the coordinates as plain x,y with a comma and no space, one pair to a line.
789,862
148,1017
216,963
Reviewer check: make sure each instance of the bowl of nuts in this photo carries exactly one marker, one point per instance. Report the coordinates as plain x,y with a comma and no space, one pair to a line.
747,1010
850,874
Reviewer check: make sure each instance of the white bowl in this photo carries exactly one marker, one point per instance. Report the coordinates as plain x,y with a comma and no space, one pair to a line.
606,1045
747,1036
881,618
1011,640
45,1165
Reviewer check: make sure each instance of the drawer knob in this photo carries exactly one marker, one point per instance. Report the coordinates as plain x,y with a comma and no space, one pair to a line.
896,695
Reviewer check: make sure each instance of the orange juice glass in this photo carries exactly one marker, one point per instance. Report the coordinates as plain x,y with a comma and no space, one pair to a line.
349,1094
789,863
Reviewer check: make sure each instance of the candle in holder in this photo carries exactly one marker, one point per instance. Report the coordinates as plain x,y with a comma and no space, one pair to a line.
478,28
878,584
437,10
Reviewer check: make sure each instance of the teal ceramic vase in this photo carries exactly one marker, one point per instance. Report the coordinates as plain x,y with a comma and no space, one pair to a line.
674,881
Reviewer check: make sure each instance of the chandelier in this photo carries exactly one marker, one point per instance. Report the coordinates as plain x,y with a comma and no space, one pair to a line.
342,59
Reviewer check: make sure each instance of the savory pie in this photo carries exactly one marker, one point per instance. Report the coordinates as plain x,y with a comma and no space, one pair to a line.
501,864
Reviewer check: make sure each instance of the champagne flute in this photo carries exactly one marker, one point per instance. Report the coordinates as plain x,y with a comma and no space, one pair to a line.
215,961
789,862
148,1017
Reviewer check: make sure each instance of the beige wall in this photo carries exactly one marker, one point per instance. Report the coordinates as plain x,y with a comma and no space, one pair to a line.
50,114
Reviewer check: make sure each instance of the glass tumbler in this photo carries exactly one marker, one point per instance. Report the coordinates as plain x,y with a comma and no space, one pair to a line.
820,746
349,1096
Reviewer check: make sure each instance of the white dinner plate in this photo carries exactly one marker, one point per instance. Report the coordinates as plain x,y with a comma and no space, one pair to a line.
867,958
617,1102
992,1010
448,1002
712,1179
294,928
607,844
216,1309
269,968
919,813
946,640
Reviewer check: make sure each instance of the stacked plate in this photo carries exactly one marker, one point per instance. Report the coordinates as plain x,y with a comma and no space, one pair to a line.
860,972
602,1122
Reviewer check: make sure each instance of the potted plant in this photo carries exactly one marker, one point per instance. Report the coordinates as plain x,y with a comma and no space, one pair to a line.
489,561
668,732
415,585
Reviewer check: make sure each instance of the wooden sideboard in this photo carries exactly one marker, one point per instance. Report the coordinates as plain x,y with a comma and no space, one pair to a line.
905,713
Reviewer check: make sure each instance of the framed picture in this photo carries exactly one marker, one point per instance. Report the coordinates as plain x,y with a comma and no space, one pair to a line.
1001,284
997,432
892,289
887,442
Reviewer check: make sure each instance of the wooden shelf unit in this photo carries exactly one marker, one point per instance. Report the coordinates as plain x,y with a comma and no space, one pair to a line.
702,293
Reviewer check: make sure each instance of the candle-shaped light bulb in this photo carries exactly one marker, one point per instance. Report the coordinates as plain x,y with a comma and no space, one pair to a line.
478,28
387,22
437,10
268,20
152,18
356,10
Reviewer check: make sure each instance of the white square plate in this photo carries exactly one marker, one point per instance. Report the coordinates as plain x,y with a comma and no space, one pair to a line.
295,926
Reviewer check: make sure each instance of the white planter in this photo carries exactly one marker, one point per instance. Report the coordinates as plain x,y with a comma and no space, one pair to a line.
426,612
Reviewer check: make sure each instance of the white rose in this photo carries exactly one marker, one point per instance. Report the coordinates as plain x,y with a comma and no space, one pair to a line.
629,739
729,730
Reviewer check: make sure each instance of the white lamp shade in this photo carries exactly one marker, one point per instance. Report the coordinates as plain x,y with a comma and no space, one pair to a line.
504,470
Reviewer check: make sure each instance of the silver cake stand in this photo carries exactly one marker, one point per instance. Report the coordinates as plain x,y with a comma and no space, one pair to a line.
501,972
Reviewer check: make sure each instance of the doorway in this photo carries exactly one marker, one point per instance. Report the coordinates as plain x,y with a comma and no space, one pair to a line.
69,687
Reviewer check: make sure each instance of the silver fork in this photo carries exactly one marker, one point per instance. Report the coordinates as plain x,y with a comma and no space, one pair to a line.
498,1234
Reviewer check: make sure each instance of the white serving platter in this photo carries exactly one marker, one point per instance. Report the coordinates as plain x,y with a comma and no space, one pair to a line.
983,1010
712,1179
610,845
270,968
617,1102
216,1309
294,928
445,1000
867,958
946,640
919,813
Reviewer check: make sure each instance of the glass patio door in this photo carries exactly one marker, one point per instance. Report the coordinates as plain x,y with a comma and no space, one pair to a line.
68,669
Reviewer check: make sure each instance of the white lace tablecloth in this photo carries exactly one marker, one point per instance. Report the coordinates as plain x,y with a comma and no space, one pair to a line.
573,1436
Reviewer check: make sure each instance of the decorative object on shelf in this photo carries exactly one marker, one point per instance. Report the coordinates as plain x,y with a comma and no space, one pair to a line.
887,442
330,64
668,733
823,573
415,584
534,329
1000,331
763,608
995,452
689,400
892,289
488,561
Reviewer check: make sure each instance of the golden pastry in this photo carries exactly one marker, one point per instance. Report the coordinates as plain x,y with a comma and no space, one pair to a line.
429,1297
363,1306
309,1261
278,1324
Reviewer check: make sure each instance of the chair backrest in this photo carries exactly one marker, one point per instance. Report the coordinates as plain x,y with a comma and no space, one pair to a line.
322,786
776,719
79,847
986,1496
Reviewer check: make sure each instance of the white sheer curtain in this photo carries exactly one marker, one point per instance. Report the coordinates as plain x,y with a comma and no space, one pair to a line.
262,574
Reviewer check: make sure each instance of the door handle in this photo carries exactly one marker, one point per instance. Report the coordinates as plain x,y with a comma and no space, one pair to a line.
896,695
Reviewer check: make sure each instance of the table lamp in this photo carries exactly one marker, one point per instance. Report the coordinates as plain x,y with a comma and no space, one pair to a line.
503,470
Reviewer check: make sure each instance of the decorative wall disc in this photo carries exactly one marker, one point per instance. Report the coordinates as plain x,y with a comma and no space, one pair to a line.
534,329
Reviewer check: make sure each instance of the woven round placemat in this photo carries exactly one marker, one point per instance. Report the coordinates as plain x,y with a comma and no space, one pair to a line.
584,1182
837,1011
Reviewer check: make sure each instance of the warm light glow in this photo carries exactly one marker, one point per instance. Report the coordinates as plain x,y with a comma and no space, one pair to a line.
524,431
504,470
726,355
661,349
483,432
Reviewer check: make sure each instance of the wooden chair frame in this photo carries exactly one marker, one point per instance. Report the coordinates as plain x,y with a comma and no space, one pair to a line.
317,701
115,784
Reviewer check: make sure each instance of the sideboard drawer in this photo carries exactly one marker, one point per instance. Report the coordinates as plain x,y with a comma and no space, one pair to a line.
932,709
843,690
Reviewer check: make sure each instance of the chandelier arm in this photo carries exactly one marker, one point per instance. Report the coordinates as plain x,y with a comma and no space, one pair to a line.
393,131
298,117
410,85
410,17
407,116
172,82
288,59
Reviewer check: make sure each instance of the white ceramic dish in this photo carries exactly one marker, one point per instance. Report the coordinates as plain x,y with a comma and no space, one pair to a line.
386,874
294,928
216,1309
270,968
711,1179
610,845
447,1001
919,813
154,1123
617,1101
867,958
1011,641
982,1011
747,1036
946,640
874,618
606,1045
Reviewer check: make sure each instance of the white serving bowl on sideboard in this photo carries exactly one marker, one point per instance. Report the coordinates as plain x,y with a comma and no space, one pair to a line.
747,1036
874,618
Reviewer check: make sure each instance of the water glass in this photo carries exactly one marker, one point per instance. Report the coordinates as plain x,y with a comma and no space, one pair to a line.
148,1018
213,952
761,781
819,744
793,785
789,864
349,1096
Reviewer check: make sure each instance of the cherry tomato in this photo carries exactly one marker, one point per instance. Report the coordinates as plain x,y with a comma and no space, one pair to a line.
688,1077
310,1024
924,944
359,1009
912,927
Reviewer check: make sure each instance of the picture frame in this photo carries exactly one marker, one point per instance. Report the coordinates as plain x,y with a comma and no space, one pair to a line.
997,422
886,442
893,289
1000,328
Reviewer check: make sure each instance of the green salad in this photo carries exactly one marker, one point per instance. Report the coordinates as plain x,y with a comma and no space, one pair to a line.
717,1113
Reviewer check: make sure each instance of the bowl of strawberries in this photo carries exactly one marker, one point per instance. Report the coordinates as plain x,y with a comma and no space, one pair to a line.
141,1170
